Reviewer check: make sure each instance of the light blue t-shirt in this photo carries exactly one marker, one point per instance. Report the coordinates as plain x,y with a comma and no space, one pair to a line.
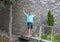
29,17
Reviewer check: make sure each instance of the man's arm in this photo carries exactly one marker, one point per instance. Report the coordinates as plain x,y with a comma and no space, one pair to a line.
24,11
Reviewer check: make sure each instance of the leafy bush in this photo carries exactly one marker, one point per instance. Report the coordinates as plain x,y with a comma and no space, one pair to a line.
1,4
36,35
57,39
12,2
48,37
50,22
54,38
1,39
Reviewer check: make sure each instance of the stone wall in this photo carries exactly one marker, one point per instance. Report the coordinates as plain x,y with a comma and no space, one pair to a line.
40,7
19,19
37,6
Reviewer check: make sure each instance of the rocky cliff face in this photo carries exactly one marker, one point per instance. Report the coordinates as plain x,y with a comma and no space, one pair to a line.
40,7
4,18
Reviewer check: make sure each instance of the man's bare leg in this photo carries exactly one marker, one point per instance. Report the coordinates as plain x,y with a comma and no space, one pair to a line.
30,32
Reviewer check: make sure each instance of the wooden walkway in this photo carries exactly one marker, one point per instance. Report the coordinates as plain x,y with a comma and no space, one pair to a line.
34,38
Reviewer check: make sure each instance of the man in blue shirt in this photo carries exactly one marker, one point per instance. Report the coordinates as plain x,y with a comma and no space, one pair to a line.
29,19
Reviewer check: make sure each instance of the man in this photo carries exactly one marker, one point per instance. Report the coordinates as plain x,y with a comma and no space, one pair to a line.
29,18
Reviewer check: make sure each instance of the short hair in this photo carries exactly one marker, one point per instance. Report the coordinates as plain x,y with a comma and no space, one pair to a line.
30,10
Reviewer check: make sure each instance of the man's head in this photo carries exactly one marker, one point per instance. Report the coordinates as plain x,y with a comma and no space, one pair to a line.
30,12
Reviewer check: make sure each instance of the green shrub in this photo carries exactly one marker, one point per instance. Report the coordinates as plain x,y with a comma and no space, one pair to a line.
50,22
48,37
54,38
37,35
57,39
12,2
1,39
1,4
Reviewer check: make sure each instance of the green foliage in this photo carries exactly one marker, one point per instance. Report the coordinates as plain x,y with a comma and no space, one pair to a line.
48,37
49,17
50,20
1,39
54,38
57,39
36,35
12,2
1,4
1,0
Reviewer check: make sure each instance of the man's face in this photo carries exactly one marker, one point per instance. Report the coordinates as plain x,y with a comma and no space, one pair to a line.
30,12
